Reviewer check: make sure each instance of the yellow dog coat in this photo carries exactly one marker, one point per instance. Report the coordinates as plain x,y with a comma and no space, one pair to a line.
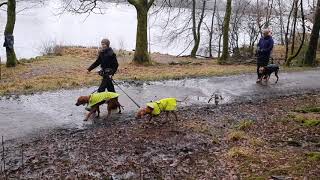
96,98
167,104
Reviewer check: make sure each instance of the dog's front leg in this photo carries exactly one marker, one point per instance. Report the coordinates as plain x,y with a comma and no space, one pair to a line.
119,106
108,115
98,111
175,115
167,115
93,110
276,74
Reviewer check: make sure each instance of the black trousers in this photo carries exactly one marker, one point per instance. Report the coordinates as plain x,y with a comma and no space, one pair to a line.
106,83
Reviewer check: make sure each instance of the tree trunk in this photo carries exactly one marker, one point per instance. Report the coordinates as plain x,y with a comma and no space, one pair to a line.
310,57
225,51
219,47
8,33
141,55
196,30
211,29
287,33
281,22
295,16
141,52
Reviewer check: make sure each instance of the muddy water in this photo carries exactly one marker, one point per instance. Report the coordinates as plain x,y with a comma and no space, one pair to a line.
22,115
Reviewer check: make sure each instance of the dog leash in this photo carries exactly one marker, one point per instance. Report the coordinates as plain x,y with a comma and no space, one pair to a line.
123,92
126,94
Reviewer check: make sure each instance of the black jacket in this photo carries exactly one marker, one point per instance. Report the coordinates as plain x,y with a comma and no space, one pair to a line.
107,59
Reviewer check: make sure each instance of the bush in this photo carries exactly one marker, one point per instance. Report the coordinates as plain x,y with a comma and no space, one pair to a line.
51,48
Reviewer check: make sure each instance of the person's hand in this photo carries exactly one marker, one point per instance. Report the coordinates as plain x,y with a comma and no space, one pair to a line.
88,72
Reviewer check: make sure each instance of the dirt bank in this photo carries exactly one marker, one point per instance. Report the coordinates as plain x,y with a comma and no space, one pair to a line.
273,137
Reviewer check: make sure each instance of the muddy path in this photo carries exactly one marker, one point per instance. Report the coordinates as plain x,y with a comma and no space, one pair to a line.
205,143
31,114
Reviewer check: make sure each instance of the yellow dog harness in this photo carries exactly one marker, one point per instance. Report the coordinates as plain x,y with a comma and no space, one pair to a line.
167,104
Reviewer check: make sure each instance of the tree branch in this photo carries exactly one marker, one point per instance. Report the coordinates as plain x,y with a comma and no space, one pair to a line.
133,2
4,3
150,3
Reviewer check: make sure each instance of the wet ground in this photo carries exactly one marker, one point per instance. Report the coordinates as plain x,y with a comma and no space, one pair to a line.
208,141
252,140
31,114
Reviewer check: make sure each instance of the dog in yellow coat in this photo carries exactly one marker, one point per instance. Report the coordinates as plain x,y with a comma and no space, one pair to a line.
155,108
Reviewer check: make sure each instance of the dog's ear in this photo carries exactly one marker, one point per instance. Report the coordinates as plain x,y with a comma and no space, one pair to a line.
148,110
138,115
141,112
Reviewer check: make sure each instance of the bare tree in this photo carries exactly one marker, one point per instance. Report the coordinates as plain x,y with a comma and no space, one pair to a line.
294,24
210,29
196,28
8,33
225,51
253,30
238,14
310,57
293,55
219,31
268,13
281,14
184,23
142,7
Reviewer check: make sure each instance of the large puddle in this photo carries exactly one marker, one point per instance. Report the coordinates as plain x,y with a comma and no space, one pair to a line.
21,115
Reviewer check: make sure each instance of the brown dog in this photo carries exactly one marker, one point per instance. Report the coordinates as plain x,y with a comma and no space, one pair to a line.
155,108
95,100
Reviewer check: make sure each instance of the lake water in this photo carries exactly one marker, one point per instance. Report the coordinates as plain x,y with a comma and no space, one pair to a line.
41,25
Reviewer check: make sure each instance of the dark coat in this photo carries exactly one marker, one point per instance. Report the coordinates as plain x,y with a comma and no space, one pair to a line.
264,50
107,59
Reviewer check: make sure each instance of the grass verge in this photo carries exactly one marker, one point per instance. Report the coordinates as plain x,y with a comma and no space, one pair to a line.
69,71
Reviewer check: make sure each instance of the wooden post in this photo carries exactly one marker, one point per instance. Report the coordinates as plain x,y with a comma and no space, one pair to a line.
22,156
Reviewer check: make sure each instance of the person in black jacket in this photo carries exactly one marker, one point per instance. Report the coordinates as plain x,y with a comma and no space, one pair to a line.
264,50
108,62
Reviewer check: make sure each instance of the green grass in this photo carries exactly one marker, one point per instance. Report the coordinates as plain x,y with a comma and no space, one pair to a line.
244,125
307,121
313,156
311,122
236,135
308,110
